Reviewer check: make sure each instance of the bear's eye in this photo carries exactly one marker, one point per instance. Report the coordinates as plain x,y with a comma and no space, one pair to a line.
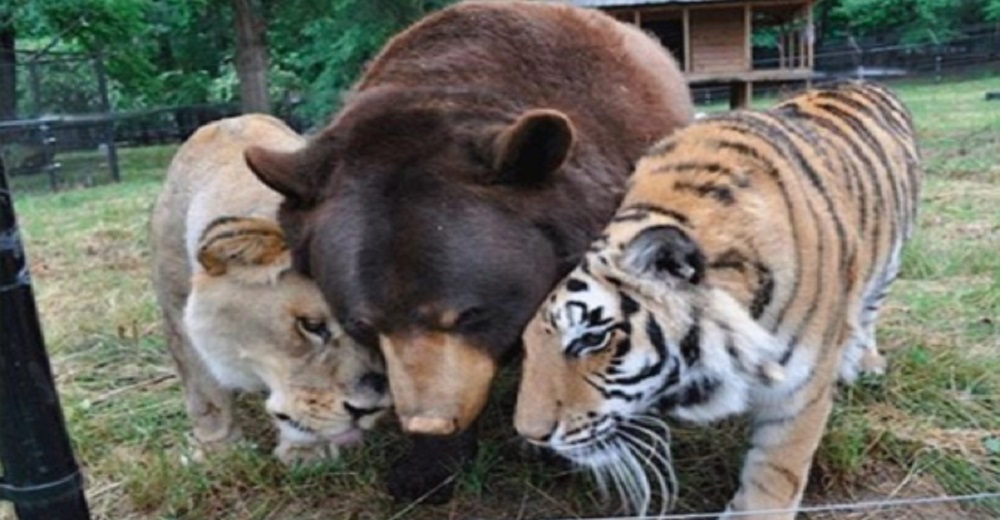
314,327
362,332
470,318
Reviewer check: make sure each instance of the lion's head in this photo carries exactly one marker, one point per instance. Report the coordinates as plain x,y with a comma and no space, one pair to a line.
259,325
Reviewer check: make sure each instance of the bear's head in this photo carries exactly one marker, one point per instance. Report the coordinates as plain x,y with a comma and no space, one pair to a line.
436,230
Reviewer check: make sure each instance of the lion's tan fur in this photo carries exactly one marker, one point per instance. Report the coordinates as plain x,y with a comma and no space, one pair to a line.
233,309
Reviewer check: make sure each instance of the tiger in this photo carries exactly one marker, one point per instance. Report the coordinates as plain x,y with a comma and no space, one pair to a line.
741,274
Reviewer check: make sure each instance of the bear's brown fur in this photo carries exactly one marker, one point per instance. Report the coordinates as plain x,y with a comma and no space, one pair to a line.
475,160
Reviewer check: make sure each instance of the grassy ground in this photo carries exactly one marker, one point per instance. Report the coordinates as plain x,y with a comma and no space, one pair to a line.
932,426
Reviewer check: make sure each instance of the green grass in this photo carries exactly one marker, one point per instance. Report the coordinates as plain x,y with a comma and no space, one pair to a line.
931,426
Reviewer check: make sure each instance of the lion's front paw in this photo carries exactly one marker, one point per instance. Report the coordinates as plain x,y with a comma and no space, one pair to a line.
201,447
292,454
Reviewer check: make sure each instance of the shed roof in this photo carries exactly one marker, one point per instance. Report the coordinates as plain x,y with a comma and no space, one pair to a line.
634,3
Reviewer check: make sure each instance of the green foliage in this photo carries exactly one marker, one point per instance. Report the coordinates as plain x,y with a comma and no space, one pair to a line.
919,21
162,53
180,52
326,44
95,26
992,10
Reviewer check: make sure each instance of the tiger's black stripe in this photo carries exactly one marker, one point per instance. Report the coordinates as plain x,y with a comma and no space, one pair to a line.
794,110
868,139
714,168
756,127
691,344
720,193
640,211
771,170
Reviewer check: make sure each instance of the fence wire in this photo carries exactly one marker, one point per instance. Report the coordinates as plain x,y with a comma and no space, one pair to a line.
871,505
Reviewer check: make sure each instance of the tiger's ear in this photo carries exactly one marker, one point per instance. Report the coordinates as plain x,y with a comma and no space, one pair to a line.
240,245
664,251
533,147
296,174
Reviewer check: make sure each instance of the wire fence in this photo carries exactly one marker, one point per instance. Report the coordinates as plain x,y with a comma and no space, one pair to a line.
872,506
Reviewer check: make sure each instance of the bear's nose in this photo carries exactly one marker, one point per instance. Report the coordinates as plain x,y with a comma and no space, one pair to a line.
375,381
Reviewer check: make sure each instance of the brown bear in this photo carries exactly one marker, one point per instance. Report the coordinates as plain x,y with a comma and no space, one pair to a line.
476,158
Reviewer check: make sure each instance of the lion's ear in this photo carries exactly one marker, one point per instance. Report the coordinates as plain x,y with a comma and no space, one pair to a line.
231,243
533,147
296,174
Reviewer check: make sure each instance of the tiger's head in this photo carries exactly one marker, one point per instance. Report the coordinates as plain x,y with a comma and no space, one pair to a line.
636,328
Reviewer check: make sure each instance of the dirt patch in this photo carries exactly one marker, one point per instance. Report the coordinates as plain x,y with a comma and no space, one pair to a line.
891,483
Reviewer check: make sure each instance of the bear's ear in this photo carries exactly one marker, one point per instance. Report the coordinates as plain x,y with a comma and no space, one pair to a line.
231,243
664,251
293,173
532,147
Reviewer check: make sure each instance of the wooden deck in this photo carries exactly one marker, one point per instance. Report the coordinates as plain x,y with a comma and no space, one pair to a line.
753,76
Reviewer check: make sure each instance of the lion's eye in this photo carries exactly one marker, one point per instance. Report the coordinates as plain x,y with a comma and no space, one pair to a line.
314,327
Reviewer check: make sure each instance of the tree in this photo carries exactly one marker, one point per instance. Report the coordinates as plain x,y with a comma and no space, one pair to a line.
8,65
251,55
326,44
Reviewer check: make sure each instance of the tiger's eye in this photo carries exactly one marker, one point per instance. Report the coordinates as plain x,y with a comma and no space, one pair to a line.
593,339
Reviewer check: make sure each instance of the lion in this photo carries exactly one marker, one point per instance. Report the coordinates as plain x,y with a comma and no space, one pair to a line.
238,318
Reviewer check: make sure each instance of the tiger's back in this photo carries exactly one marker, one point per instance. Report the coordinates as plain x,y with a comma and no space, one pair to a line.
826,185
742,272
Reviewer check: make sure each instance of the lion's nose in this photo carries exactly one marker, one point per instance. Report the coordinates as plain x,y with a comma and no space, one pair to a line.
357,413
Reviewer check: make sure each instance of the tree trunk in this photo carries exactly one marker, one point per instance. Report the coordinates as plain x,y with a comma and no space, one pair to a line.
251,55
8,69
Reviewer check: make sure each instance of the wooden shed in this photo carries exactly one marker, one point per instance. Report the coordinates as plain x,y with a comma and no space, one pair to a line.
713,40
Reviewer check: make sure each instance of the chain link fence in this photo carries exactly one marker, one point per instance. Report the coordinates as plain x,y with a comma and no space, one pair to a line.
45,146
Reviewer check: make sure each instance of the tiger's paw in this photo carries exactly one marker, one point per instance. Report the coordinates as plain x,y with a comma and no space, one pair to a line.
872,363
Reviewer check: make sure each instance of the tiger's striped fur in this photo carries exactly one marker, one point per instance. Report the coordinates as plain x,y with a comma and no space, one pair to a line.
742,273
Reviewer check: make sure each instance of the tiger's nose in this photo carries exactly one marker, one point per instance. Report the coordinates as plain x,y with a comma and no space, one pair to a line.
375,381
357,413
536,432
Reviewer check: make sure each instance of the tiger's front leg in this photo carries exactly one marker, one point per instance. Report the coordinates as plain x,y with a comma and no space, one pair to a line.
784,440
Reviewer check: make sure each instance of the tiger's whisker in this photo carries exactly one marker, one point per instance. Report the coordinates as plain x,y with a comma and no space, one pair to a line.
668,490
665,456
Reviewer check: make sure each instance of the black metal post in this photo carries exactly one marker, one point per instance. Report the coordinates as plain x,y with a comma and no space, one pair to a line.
40,474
